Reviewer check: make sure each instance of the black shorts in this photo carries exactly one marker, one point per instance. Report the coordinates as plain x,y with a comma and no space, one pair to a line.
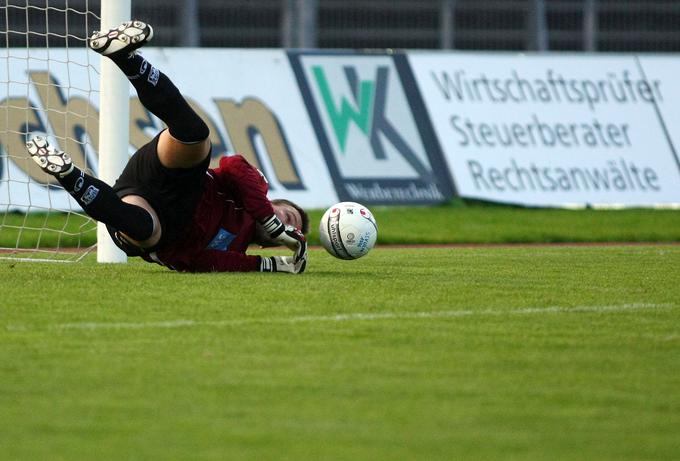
172,192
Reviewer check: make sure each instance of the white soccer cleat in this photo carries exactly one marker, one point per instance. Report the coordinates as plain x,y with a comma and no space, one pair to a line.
123,39
51,160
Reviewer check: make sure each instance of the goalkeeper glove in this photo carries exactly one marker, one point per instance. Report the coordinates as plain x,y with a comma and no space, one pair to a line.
282,264
286,235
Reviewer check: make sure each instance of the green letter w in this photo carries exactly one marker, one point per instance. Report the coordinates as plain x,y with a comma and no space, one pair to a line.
340,118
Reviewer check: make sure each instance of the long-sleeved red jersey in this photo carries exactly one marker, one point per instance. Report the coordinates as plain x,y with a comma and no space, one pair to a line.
223,226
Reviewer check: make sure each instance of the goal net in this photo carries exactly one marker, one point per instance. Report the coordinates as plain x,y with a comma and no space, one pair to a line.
50,87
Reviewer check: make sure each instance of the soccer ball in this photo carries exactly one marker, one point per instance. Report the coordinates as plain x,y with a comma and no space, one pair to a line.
348,230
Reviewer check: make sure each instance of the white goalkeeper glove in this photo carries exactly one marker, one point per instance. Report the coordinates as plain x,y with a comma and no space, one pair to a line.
282,264
286,235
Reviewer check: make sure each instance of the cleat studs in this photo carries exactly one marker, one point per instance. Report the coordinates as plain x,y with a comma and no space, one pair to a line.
122,40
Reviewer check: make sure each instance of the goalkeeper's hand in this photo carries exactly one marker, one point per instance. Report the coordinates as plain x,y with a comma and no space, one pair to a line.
286,235
282,264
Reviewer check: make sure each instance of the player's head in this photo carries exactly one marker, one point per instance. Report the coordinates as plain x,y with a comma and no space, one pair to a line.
291,214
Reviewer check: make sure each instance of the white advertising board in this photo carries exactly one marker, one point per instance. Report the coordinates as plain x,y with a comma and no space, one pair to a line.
250,100
537,130
555,130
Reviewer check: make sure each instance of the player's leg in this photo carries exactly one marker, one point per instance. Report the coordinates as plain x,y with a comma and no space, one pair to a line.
185,144
96,198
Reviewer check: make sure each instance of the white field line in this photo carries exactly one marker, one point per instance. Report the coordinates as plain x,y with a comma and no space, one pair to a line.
350,317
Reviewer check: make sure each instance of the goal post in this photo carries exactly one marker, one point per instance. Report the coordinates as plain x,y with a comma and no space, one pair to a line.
114,126
52,85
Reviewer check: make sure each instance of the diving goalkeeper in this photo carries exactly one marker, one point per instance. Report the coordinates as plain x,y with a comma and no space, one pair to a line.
167,206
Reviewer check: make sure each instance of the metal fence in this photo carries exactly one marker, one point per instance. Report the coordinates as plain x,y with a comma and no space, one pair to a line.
573,25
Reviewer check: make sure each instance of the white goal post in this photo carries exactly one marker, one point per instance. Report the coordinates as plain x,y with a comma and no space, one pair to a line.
114,126
52,85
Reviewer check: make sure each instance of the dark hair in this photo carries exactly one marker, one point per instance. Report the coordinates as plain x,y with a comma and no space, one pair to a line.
303,214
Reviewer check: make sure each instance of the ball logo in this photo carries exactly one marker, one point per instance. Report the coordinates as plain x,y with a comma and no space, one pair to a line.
363,242
350,238
334,235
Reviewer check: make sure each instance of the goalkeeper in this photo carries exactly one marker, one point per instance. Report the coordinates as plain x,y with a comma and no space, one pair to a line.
167,206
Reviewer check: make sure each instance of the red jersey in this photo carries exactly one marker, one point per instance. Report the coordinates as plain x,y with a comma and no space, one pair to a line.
223,226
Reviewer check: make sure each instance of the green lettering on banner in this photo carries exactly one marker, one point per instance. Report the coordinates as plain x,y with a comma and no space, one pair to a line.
341,118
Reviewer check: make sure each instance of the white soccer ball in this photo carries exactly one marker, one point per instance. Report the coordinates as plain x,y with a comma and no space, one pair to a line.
348,230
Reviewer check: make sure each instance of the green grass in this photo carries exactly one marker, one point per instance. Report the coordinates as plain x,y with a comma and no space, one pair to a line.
502,224
452,223
45,230
534,353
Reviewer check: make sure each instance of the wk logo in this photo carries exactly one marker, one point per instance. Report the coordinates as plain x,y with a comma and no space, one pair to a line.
367,111
370,121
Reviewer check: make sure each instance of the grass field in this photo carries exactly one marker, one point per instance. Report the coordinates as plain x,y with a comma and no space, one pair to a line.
456,222
519,353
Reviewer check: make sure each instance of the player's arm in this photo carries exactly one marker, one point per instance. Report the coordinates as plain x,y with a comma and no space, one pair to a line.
231,261
252,187
248,183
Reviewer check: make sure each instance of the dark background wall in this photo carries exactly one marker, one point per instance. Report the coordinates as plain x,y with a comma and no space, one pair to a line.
602,25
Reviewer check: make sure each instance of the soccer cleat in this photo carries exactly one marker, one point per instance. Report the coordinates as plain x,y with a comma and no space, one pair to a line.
122,40
51,160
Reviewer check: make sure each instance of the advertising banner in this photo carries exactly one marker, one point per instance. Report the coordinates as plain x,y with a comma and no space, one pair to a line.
249,99
378,128
555,130
47,92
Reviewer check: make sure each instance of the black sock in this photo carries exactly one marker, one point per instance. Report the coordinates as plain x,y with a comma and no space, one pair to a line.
100,202
162,98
